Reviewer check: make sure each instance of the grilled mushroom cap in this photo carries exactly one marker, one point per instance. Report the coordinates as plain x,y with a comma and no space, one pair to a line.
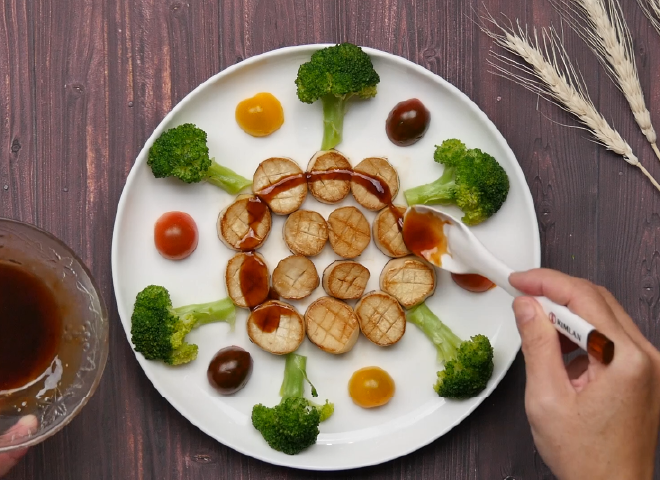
295,277
305,232
276,327
335,184
245,224
381,170
280,183
345,279
348,231
381,318
410,280
246,278
331,325
387,232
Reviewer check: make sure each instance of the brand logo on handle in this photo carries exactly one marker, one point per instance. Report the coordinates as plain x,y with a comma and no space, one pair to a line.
569,331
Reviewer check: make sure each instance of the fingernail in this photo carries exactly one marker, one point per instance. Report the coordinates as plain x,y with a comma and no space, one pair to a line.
523,310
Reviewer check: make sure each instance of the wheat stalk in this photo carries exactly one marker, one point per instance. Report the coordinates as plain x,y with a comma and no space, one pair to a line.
601,25
651,9
550,73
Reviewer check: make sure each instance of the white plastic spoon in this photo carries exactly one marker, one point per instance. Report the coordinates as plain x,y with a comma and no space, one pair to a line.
449,244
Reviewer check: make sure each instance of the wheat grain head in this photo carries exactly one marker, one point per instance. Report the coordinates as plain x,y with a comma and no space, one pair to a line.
549,72
602,26
651,9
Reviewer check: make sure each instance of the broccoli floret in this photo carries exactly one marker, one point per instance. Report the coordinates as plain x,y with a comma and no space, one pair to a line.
469,373
182,152
335,74
293,424
468,364
472,180
158,330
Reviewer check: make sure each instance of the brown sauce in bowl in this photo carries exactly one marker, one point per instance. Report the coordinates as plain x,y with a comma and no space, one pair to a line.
30,324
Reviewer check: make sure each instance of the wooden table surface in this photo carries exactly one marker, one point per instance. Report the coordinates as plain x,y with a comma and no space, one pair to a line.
84,83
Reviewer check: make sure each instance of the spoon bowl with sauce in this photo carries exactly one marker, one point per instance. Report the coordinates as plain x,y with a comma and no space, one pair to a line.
447,243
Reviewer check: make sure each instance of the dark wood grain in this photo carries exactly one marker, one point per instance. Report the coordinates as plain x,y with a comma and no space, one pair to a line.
83,84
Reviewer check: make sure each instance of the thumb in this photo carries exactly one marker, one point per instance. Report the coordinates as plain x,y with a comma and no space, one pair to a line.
544,365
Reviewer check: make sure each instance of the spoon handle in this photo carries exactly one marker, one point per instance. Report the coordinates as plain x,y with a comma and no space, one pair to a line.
576,328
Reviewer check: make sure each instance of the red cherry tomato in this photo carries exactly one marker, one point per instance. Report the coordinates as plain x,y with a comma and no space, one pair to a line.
472,283
175,235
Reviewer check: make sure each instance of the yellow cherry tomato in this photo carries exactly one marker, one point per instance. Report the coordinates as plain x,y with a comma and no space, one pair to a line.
371,387
260,115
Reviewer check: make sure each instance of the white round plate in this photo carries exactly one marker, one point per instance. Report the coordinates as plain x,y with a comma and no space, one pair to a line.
352,437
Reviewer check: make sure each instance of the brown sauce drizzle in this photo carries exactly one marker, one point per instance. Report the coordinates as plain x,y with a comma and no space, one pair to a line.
267,317
272,294
423,234
253,273
284,184
381,191
343,174
256,211
253,278
372,184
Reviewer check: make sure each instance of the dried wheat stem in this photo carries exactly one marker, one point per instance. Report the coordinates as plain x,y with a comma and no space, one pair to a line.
550,73
651,9
602,26
648,175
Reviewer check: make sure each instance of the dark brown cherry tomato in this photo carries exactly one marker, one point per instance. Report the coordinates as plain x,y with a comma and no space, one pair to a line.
472,283
230,370
407,122
175,235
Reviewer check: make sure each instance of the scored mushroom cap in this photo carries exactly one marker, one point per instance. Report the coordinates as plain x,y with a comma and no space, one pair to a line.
381,170
349,232
245,224
387,233
280,183
246,278
295,277
345,279
331,325
410,280
329,188
276,327
382,320
305,232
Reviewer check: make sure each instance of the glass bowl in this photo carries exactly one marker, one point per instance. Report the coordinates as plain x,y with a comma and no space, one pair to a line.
49,402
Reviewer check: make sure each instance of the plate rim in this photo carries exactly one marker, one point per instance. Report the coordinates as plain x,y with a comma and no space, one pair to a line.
122,205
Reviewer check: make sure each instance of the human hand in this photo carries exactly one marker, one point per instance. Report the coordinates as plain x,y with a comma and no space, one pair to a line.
588,420
22,428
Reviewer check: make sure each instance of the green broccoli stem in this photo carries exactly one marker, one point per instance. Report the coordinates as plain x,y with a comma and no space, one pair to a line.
445,341
203,313
294,376
226,178
334,109
440,191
